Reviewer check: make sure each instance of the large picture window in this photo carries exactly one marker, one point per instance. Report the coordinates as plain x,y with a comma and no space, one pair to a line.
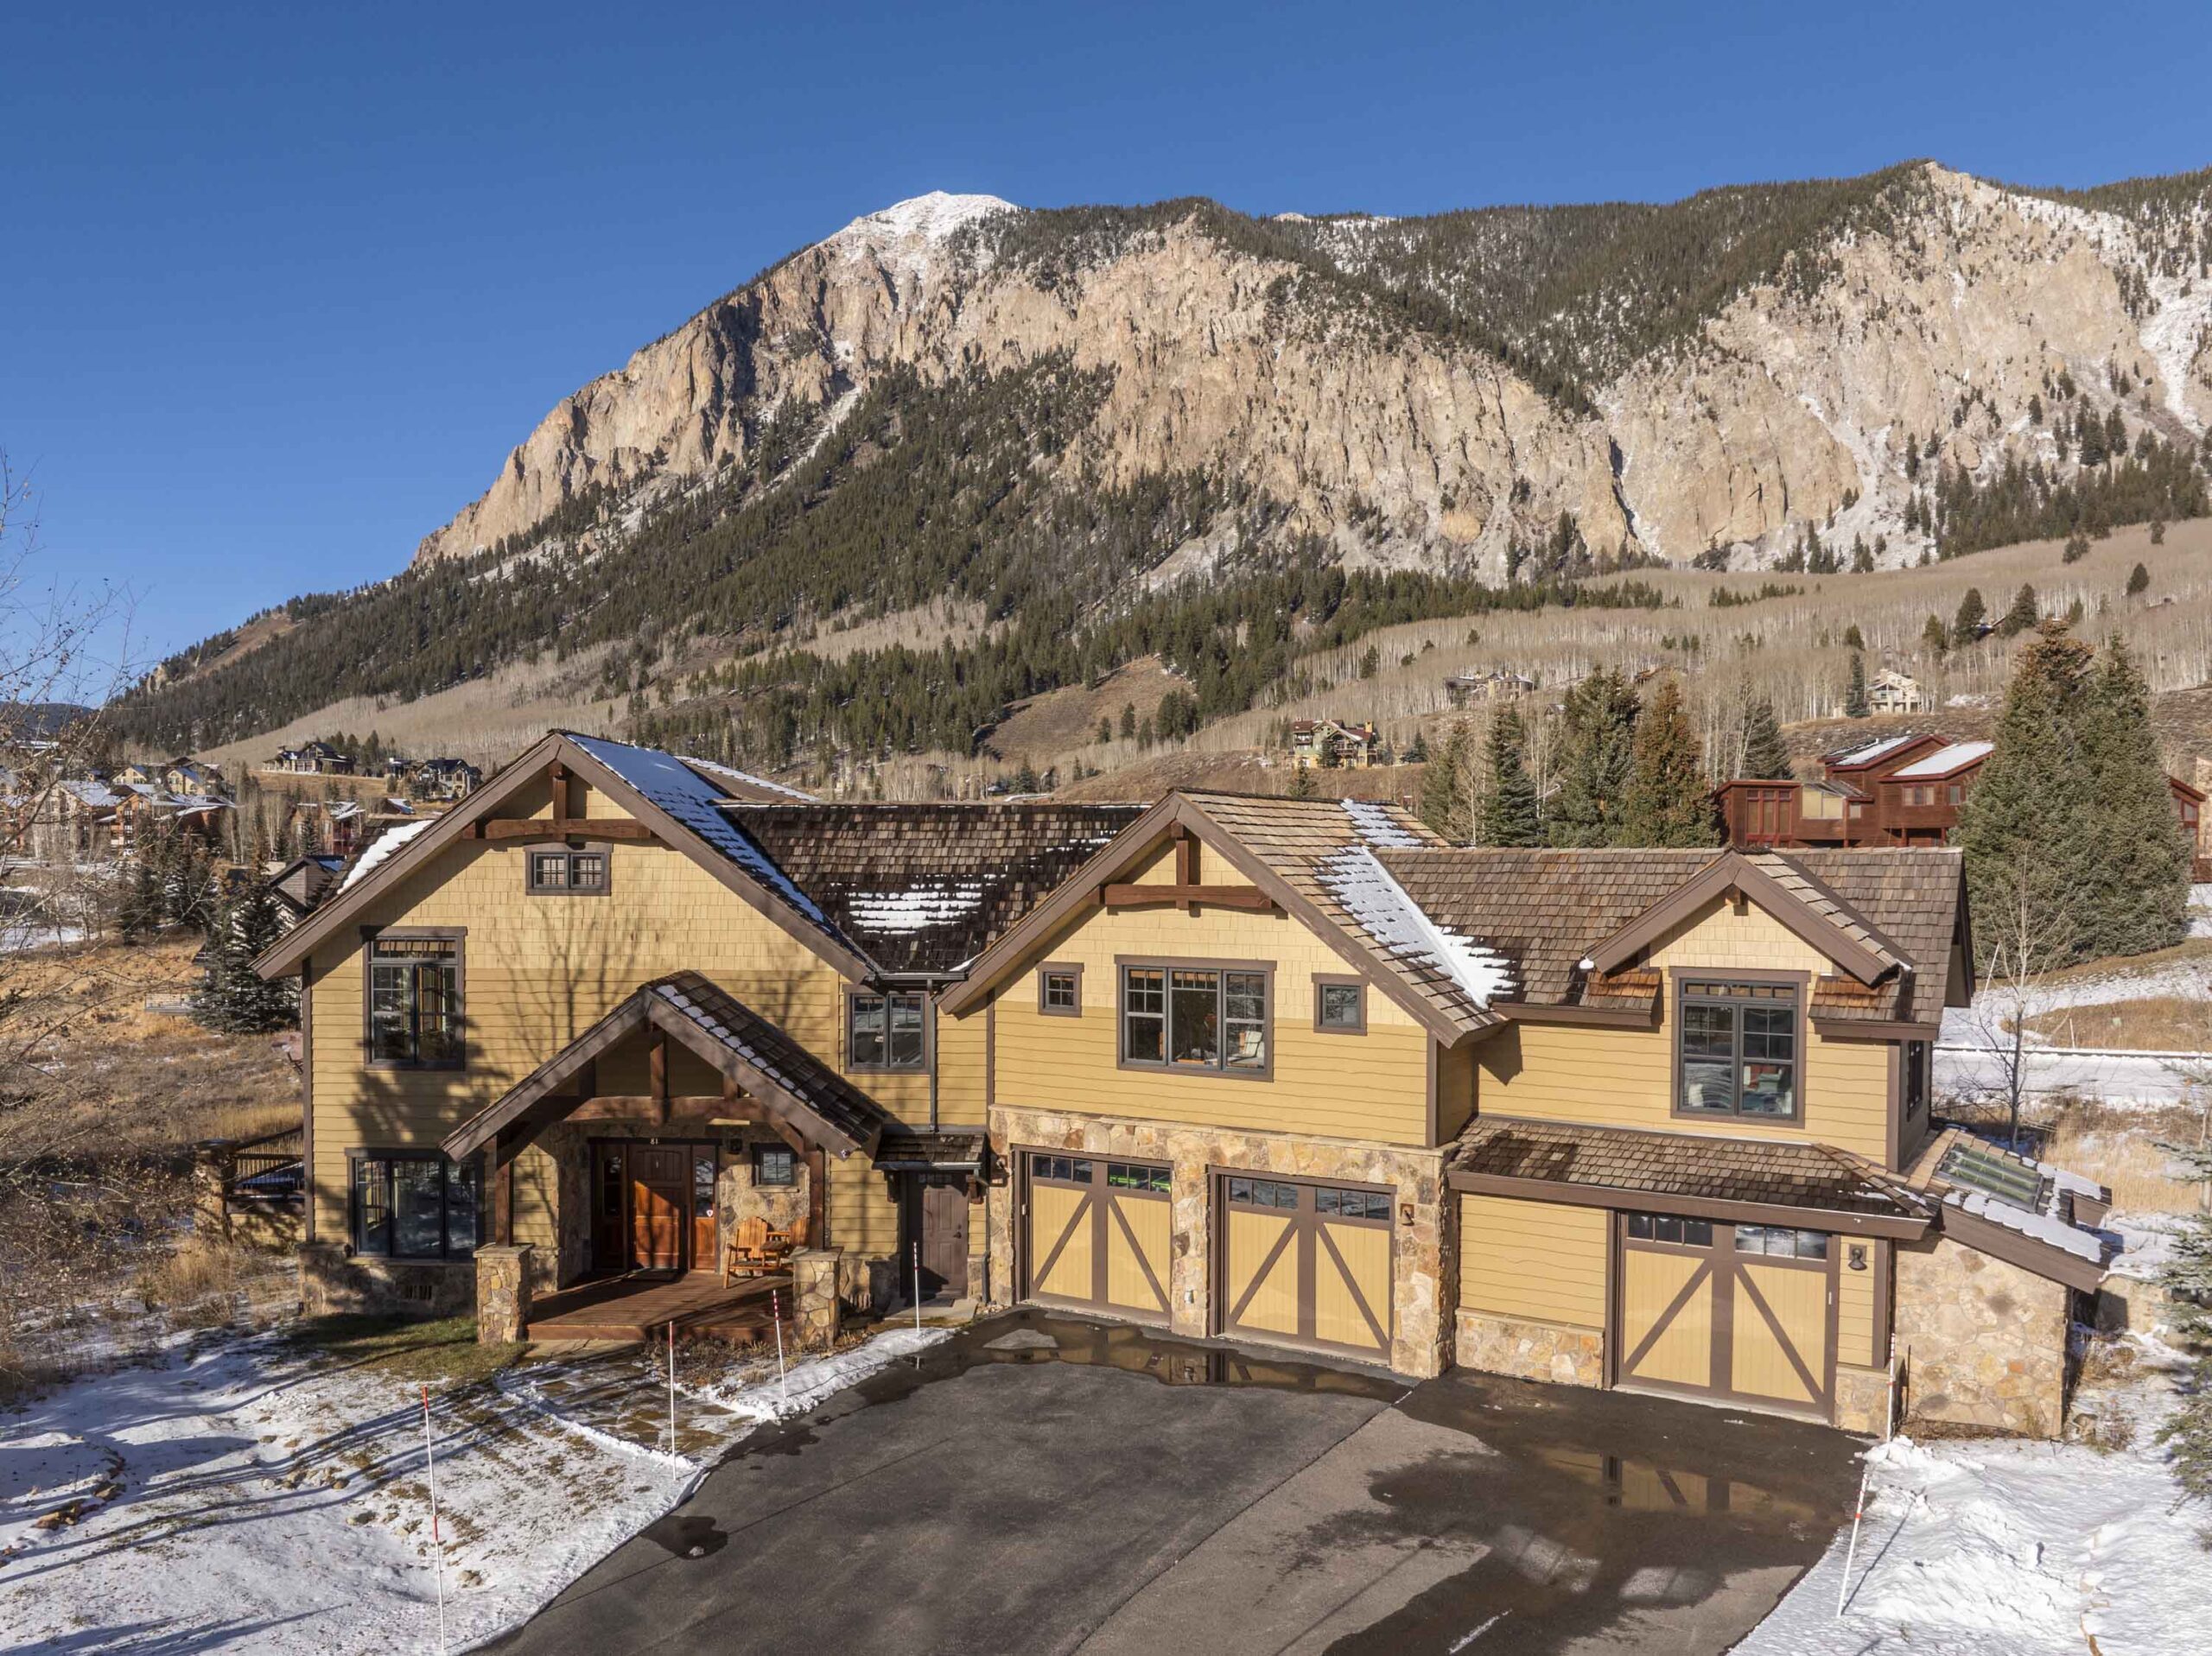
1739,1050
1195,1018
415,1205
888,1031
414,1001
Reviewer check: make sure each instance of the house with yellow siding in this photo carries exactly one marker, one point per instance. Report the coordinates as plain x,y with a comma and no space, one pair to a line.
1266,1071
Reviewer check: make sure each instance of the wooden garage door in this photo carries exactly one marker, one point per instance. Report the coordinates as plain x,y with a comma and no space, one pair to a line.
1309,1263
1742,1313
1098,1234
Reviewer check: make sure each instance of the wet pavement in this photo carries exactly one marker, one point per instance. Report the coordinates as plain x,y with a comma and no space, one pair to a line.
1041,1483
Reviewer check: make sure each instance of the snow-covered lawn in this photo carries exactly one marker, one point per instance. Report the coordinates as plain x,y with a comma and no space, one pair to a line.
250,1492
2016,1549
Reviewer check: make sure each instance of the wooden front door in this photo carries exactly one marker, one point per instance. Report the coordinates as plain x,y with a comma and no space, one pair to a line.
659,1198
1096,1234
1304,1262
1737,1313
937,1232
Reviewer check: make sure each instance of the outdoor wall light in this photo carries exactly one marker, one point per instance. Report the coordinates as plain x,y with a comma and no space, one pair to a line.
1858,1256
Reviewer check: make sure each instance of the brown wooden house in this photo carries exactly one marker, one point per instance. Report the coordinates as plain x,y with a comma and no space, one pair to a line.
1265,1071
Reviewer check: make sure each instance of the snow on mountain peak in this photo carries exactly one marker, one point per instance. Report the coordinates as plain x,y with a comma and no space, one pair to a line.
932,218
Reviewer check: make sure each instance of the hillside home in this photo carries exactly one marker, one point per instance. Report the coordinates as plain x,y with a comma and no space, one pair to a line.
1284,1071
1896,790
1464,689
1325,742
191,778
316,758
1891,692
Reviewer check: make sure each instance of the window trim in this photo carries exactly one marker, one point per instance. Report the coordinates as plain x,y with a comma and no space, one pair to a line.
356,1154
571,852
1800,982
1170,964
458,936
928,1062
1062,968
1339,981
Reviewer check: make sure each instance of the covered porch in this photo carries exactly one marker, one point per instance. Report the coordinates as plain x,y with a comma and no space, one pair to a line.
679,1121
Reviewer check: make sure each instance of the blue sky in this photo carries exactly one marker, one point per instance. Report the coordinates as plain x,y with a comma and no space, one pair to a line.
282,286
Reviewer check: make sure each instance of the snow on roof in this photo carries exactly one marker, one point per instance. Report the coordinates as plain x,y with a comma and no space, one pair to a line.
2044,1228
732,773
1944,760
379,850
94,794
917,909
1377,827
1396,923
692,800
1867,753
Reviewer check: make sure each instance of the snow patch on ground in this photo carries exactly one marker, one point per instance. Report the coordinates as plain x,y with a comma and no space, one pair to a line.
2174,334
2011,1549
243,1496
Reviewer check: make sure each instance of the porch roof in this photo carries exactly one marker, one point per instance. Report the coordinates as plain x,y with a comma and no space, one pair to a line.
817,1103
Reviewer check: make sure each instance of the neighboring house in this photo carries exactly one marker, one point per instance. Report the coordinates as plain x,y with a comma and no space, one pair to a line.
314,759
1289,1072
302,883
1905,790
1496,685
1891,692
329,828
191,778
1328,741
445,779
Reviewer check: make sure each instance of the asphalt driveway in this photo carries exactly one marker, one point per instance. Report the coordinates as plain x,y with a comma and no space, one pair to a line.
1045,1484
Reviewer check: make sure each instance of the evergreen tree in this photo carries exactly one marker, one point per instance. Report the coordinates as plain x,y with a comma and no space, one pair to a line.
1934,637
1597,759
2138,581
2140,897
1852,639
1766,756
1301,782
1417,753
1510,816
138,915
2027,828
1669,802
2187,1278
1443,793
1966,626
1855,705
1128,720
2023,614
232,995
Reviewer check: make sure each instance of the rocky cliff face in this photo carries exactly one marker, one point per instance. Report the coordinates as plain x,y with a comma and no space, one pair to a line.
1286,363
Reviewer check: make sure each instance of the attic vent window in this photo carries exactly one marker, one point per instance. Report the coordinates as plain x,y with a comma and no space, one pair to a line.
564,872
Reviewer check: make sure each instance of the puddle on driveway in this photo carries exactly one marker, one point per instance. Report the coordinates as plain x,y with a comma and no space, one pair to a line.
686,1536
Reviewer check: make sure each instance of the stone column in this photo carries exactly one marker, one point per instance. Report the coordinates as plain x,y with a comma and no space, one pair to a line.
814,1296
502,1294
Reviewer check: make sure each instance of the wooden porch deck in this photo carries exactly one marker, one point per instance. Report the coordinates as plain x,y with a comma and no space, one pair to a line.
639,1306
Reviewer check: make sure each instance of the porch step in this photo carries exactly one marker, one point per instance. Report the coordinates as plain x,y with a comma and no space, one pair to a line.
643,1309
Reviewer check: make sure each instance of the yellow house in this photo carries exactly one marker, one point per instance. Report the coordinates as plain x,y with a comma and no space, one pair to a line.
1282,1071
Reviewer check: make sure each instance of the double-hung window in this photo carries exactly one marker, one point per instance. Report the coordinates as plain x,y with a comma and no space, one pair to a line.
1739,1051
888,1031
414,1001
1195,1018
414,1204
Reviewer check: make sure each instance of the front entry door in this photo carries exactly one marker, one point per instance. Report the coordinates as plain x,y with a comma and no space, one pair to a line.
937,1224
659,1201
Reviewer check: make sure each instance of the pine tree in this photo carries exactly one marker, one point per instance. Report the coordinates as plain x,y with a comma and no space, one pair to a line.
1597,758
232,995
2138,581
138,916
2027,828
2021,615
1301,782
1417,753
1934,637
1510,816
2187,1278
1966,626
1443,798
1766,756
1669,802
1855,705
1852,639
2141,893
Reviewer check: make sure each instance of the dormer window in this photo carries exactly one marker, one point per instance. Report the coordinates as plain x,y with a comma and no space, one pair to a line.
1738,1049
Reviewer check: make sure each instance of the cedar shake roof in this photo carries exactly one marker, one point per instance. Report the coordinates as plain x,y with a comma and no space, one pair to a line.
951,1149
1545,910
765,1049
927,887
1334,855
1698,1167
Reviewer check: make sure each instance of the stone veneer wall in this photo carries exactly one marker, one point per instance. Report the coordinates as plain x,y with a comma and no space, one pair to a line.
331,1284
1526,1349
1420,1309
1986,1339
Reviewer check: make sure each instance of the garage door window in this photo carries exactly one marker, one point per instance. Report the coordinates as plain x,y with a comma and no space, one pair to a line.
1779,1241
1129,1176
1667,1228
1263,1193
1352,1204
1068,1169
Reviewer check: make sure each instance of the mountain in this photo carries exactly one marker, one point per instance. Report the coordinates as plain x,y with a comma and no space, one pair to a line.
1088,434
